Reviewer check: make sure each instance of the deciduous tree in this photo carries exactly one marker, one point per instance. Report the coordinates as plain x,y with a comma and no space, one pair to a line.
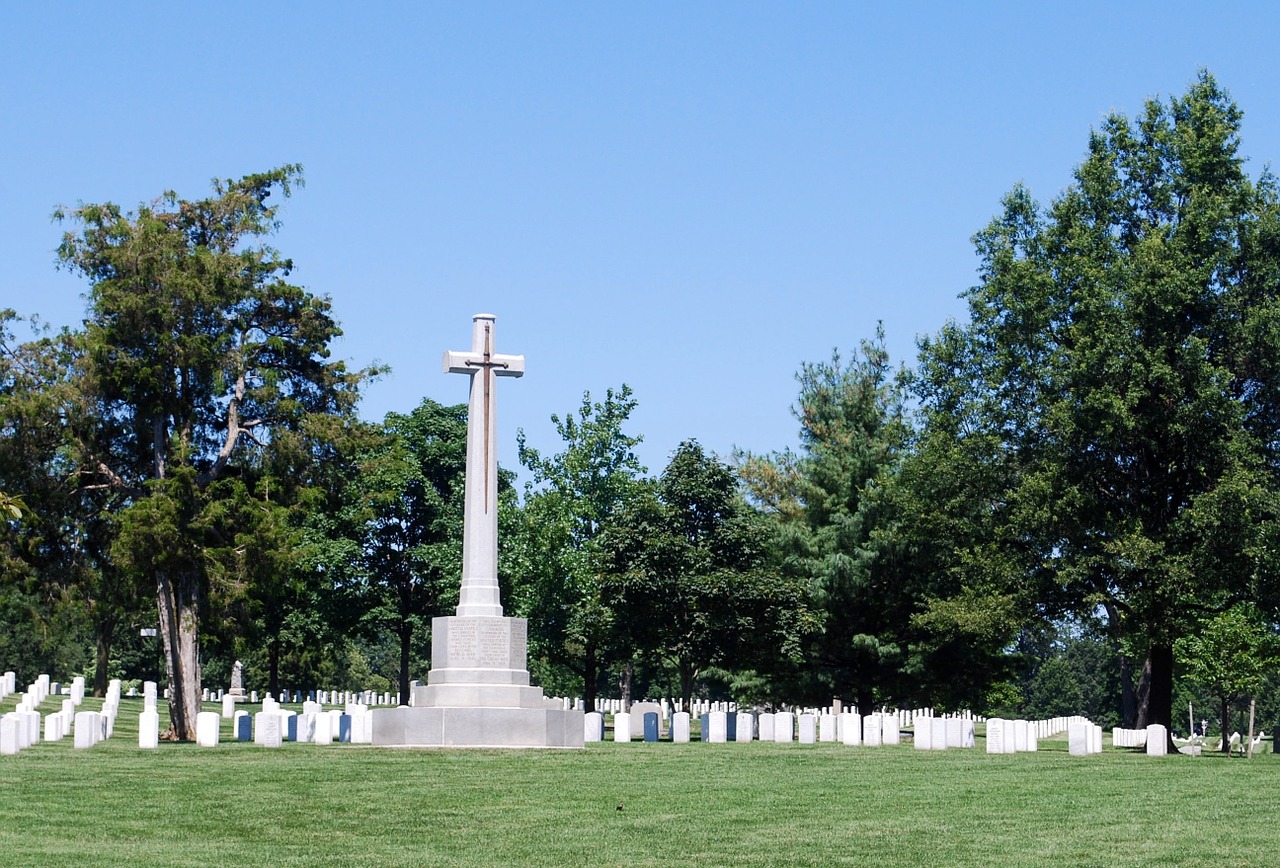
685,568
1229,655
572,498
1118,379
410,491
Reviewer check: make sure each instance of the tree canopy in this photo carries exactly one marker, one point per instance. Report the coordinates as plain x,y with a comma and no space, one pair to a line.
1117,380
195,347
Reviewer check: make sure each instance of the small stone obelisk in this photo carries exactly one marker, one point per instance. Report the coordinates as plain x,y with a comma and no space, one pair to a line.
477,692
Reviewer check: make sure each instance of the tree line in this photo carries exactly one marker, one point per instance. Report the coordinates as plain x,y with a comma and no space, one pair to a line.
1068,503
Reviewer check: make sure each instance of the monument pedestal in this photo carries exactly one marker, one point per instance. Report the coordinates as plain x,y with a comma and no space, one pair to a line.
478,694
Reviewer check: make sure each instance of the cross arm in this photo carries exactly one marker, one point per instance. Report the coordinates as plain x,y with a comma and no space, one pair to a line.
508,366
468,363
456,362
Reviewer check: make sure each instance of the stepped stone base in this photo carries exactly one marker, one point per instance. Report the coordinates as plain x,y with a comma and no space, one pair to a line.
478,694
478,727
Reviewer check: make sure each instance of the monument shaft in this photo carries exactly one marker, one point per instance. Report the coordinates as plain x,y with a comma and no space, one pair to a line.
478,692
479,592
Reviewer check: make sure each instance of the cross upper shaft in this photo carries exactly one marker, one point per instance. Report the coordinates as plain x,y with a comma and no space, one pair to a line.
482,357
456,362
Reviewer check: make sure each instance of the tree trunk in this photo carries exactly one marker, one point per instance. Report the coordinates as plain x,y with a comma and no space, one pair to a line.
624,684
1225,708
178,601
1143,697
1128,696
406,638
590,671
102,639
273,666
1160,693
687,675
866,701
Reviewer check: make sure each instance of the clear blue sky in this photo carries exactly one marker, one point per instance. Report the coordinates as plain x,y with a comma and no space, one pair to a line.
691,198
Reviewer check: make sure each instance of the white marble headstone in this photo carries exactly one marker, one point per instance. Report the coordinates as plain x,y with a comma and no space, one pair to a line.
850,728
8,734
783,727
890,729
871,730
622,726
680,724
996,735
766,725
149,730
1157,740
922,732
940,739
718,727
807,729
1019,736
1078,738
208,724
266,728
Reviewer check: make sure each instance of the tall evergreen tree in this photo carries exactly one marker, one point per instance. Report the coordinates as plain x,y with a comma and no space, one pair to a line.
832,520
197,347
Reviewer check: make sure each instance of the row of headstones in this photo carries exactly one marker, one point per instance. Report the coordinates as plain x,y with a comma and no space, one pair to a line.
41,689
1084,737
330,697
92,727
1155,738
1013,736
1122,737
309,706
847,728
697,707
664,707
20,728
271,728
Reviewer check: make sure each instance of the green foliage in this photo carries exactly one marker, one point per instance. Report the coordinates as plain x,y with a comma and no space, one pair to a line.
1229,656
1112,402
197,355
408,495
685,568
833,527
12,506
574,495
1070,671
56,558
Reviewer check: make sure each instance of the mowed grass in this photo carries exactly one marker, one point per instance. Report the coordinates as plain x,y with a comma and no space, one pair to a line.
696,804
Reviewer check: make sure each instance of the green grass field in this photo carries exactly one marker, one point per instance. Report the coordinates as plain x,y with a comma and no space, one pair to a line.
695,804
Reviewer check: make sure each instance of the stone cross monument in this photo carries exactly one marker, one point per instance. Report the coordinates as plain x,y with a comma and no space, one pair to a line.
479,595
477,692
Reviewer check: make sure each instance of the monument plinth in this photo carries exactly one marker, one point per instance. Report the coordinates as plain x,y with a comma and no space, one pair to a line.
477,692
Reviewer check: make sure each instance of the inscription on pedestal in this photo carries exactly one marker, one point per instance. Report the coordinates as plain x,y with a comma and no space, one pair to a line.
519,642
462,643
493,649
486,643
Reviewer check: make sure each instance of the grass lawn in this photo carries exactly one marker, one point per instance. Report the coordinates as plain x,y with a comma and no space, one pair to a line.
696,804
